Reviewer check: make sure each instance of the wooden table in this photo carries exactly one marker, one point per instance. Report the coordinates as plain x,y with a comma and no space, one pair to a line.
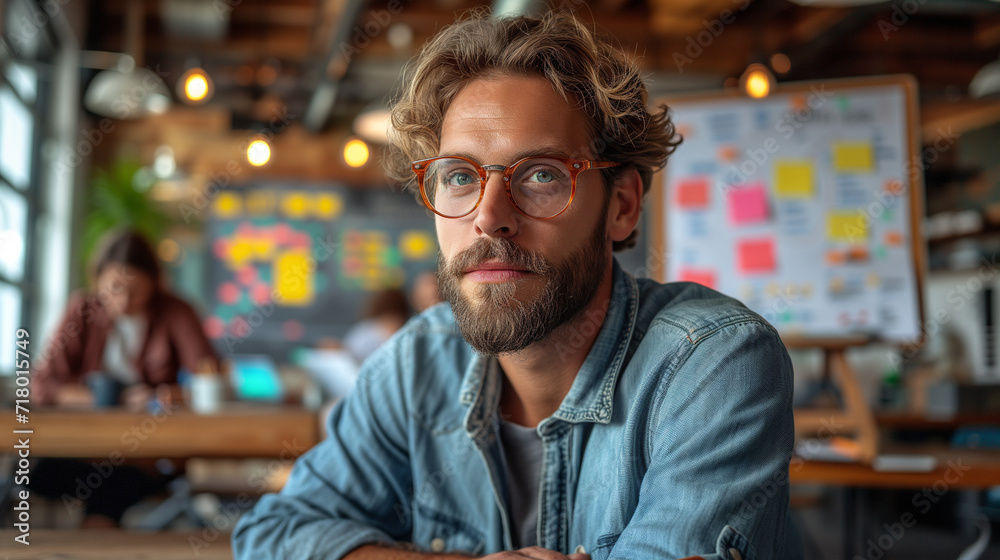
236,432
104,544
957,469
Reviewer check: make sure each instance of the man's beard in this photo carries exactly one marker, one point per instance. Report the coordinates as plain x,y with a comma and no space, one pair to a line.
495,322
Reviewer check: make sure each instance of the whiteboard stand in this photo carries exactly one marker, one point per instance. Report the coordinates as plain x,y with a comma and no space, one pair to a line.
855,416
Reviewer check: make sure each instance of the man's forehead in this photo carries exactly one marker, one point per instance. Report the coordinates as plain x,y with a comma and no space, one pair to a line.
504,110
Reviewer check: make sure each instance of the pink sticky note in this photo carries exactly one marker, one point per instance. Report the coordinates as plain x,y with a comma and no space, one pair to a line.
748,204
692,193
705,277
755,256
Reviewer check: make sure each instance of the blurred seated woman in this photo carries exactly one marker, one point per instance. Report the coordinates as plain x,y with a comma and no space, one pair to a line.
130,333
130,329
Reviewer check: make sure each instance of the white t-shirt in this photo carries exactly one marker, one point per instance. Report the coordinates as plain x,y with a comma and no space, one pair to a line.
123,346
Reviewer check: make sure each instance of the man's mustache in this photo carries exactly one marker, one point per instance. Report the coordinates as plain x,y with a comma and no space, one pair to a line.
498,249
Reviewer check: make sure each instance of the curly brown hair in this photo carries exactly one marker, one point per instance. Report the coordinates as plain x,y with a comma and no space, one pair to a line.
581,67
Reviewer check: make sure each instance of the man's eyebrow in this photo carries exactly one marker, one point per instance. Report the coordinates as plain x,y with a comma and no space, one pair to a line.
532,152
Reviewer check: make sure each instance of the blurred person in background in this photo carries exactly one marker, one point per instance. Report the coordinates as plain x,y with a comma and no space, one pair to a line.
385,313
121,343
130,329
425,293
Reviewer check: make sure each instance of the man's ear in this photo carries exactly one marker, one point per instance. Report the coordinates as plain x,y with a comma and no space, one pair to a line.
625,205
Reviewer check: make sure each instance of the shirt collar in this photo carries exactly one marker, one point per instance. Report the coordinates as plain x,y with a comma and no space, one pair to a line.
591,396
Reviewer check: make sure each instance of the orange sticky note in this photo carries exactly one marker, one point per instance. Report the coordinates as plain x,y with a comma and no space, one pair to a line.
893,238
748,204
705,277
894,187
728,153
692,193
755,256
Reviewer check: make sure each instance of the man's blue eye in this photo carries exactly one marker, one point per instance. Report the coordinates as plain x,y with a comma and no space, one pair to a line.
542,177
461,179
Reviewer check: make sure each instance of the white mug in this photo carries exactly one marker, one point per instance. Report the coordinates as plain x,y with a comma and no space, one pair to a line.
206,393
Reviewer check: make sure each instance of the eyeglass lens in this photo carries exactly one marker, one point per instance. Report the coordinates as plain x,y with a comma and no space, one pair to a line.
540,187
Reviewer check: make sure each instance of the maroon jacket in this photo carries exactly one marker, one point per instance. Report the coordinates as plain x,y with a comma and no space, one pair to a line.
174,339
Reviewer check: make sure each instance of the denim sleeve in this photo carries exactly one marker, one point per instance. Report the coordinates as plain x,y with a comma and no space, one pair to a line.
344,492
720,440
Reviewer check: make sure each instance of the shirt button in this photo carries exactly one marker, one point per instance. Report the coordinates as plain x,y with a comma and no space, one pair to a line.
580,549
437,545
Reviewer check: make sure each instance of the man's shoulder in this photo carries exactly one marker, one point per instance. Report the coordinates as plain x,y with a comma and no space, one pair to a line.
696,310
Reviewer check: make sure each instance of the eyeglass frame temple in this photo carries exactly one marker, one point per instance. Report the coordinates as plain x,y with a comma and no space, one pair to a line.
419,167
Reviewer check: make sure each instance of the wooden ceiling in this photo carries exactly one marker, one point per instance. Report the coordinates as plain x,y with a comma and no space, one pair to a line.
943,43
270,54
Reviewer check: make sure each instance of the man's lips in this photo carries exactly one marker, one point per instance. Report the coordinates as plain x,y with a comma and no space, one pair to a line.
495,272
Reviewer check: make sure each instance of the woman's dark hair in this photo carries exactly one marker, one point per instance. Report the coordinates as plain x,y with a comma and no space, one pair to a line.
127,247
390,301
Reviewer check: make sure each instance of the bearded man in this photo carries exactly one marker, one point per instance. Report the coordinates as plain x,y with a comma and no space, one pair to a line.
556,407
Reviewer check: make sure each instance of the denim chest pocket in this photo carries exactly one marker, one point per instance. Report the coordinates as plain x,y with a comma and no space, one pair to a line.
604,545
435,531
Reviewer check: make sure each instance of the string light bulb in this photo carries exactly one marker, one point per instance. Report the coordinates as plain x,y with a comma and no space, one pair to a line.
258,152
195,86
356,152
757,81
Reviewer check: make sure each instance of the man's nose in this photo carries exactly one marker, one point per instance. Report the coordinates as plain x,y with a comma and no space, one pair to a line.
496,215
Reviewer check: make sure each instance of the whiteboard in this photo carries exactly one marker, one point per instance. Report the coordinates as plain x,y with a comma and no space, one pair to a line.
802,205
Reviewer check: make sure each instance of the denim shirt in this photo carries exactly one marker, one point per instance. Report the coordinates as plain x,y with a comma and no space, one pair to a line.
673,441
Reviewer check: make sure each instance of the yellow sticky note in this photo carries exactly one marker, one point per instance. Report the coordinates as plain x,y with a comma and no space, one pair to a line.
228,205
295,205
416,245
240,251
328,206
853,157
293,281
793,178
847,227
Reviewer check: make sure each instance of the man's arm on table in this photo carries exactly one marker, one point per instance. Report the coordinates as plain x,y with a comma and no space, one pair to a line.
719,456
375,552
